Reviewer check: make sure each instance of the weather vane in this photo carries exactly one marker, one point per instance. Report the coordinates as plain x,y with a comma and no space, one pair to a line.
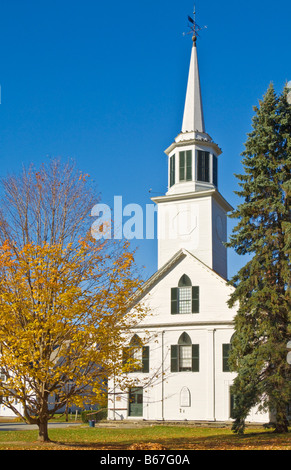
194,27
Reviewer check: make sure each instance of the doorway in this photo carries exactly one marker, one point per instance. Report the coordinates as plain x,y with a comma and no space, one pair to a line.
135,401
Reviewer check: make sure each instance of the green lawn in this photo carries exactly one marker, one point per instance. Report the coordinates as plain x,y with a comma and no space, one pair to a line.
155,437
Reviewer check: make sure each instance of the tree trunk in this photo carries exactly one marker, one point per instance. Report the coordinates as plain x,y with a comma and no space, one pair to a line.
43,431
281,425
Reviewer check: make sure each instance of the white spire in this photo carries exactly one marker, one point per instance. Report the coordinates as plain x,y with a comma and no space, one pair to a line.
193,119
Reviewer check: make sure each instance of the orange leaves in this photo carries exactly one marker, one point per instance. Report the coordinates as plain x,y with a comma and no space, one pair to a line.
83,176
6,255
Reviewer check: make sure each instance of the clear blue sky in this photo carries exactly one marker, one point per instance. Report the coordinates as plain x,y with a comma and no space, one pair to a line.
105,82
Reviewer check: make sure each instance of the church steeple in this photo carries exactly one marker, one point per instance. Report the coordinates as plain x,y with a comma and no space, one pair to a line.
192,213
193,164
193,119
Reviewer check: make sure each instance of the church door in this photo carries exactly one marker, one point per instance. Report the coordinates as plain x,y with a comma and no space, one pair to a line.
135,401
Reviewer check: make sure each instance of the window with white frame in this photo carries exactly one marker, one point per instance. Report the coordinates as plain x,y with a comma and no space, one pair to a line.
185,355
185,297
136,356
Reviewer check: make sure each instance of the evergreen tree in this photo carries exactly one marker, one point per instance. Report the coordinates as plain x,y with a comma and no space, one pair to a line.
262,323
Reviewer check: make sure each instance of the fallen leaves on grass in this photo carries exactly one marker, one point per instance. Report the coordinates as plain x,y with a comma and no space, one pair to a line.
147,446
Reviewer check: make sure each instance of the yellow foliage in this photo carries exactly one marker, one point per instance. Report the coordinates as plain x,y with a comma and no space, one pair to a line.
62,319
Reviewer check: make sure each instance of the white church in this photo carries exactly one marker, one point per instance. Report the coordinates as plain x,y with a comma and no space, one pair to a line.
184,372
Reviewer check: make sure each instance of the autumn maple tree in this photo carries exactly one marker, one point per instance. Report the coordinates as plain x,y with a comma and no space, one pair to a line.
63,295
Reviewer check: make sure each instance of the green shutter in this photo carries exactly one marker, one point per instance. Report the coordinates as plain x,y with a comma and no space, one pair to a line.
215,175
172,170
174,358
145,359
182,166
174,300
195,357
203,166
195,299
189,165
225,356
199,165
206,175
125,356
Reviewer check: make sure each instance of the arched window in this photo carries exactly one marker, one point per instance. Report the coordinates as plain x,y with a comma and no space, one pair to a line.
184,281
185,397
185,352
136,356
135,342
185,355
184,339
185,297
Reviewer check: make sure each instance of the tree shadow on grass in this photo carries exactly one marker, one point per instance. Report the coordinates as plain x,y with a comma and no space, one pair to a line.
266,440
249,441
